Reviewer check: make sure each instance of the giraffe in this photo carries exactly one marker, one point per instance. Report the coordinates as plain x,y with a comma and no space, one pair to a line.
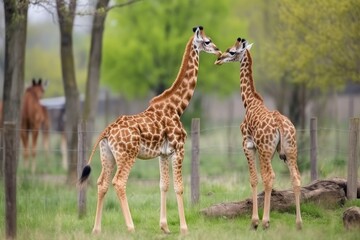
263,131
33,117
155,132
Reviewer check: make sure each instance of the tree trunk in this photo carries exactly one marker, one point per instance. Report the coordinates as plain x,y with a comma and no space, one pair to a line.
93,74
66,14
15,43
326,193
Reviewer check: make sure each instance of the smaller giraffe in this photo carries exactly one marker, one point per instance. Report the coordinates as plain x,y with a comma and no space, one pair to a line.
155,132
263,131
34,116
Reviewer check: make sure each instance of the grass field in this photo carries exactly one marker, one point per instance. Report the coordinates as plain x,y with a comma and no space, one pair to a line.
47,208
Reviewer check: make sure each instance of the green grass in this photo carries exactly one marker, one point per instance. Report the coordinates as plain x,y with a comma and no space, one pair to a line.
47,208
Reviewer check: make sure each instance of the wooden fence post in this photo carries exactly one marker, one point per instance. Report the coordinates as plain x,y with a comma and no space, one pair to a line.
353,159
2,152
313,148
80,165
195,149
10,179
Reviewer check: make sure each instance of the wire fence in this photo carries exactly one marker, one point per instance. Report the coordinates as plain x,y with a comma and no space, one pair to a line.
226,142
215,140
226,139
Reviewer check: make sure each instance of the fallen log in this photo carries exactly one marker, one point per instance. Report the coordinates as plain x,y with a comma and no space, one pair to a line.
326,193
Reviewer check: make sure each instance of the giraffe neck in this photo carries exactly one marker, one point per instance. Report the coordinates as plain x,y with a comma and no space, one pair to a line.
179,94
248,93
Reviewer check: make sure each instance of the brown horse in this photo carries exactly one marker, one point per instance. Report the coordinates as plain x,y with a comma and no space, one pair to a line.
34,116
1,109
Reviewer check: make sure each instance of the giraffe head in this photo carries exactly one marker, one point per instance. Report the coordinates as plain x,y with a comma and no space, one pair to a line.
204,43
235,53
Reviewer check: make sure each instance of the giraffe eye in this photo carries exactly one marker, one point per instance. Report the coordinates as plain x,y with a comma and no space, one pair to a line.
232,53
207,42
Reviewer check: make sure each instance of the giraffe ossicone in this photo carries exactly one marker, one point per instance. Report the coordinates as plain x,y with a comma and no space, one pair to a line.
155,132
264,132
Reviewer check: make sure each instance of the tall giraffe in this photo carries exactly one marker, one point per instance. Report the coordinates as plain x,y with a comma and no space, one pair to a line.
155,132
263,131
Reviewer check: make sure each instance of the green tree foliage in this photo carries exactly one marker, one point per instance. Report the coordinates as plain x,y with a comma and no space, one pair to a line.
43,57
144,44
316,42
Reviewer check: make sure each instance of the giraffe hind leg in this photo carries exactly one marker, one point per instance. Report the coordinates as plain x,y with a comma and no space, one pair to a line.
125,162
103,182
177,160
296,182
164,187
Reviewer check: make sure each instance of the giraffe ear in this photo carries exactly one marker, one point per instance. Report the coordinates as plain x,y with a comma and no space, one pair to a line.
197,28
197,32
248,47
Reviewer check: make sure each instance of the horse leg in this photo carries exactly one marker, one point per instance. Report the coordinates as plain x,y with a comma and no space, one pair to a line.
33,149
25,141
64,151
46,142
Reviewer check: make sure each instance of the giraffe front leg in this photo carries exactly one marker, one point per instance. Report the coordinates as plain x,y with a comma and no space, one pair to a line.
177,160
268,177
250,155
251,158
164,186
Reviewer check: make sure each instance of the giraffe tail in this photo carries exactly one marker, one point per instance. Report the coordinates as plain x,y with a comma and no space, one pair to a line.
281,147
87,169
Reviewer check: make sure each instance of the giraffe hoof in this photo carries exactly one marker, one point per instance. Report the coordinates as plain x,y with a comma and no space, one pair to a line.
299,225
184,231
254,224
266,225
96,231
165,228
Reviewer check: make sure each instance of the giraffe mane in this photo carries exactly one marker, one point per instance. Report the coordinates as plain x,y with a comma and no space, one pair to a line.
252,86
180,75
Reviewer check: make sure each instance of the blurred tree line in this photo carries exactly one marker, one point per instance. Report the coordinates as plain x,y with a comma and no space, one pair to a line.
302,48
